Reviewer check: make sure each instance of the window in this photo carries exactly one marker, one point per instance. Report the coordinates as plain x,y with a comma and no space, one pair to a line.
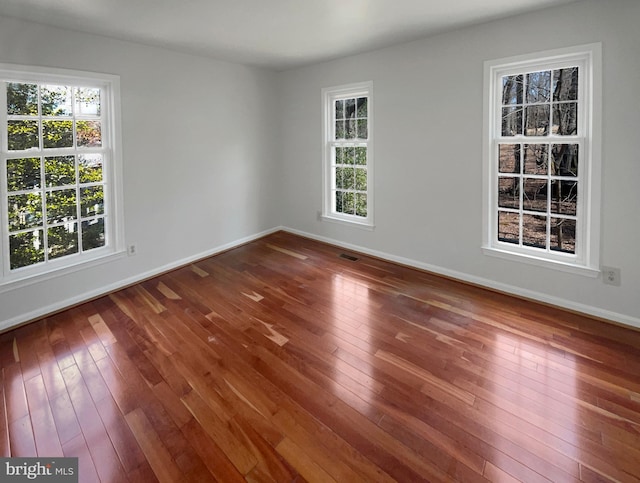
348,154
542,162
59,179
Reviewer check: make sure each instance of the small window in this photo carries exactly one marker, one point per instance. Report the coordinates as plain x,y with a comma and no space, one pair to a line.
59,178
542,158
348,154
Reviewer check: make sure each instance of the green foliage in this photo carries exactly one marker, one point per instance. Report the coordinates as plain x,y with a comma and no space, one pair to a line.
23,174
22,99
22,135
26,249
60,170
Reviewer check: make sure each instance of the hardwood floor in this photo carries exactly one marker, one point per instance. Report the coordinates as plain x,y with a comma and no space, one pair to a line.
282,361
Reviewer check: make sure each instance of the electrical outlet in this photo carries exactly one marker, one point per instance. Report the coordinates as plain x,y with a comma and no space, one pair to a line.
132,249
611,276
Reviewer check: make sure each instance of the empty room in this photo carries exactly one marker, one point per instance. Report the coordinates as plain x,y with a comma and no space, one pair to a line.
291,241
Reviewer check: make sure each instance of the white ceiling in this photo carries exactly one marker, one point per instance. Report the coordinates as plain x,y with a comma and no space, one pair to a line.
277,34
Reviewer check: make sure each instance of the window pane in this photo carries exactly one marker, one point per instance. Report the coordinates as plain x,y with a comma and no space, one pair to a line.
565,119
60,170
348,203
349,155
362,107
63,240
339,155
509,158
565,84
339,177
56,100
23,174
340,132
92,201
87,101
350,129
563,235
348,179
564,197
349,108
511,121
90,168
339,195
22,99
535,194
564,160
61,206
512,89
26,249
536,120
361,179
509,192
22,135
539,86
89,133
25,211
363,132
93,235
536,158
534,231
508,227
361,204
57,134
361,156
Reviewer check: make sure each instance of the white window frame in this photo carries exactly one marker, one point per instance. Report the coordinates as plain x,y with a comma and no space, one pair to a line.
112,174
329,96
588,58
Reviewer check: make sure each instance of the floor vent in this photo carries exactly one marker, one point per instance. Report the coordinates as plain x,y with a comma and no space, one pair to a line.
349,257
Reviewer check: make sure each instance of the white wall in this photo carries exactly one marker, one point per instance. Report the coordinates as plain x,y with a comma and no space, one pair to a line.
428,99
199,149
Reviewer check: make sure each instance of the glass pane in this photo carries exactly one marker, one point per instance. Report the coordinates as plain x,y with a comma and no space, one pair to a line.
57,134
348,179
339,204
536,120
362,107
361,179
509,158
512,89
22,135
361,204
340,133
508,227
564,197
93,235
339,109
25,211
534,194
565,84
56,100
61,206
348,203
511,121
349,108
350,129
89,133
539,86
339,177
23,174
91,201
339,155
509,192
26,249
564,160
87,101
534,231
536,158
22,99
63,240
90,168
565,119
349,155
60,170
563,235
361,156
363,132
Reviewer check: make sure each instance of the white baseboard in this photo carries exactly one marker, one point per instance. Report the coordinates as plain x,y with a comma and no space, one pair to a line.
464,277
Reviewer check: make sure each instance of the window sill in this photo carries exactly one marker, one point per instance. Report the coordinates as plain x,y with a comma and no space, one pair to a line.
542,262
342,221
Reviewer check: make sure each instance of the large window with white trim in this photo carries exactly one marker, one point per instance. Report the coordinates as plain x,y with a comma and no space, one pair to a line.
348,167
542,161
59,178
